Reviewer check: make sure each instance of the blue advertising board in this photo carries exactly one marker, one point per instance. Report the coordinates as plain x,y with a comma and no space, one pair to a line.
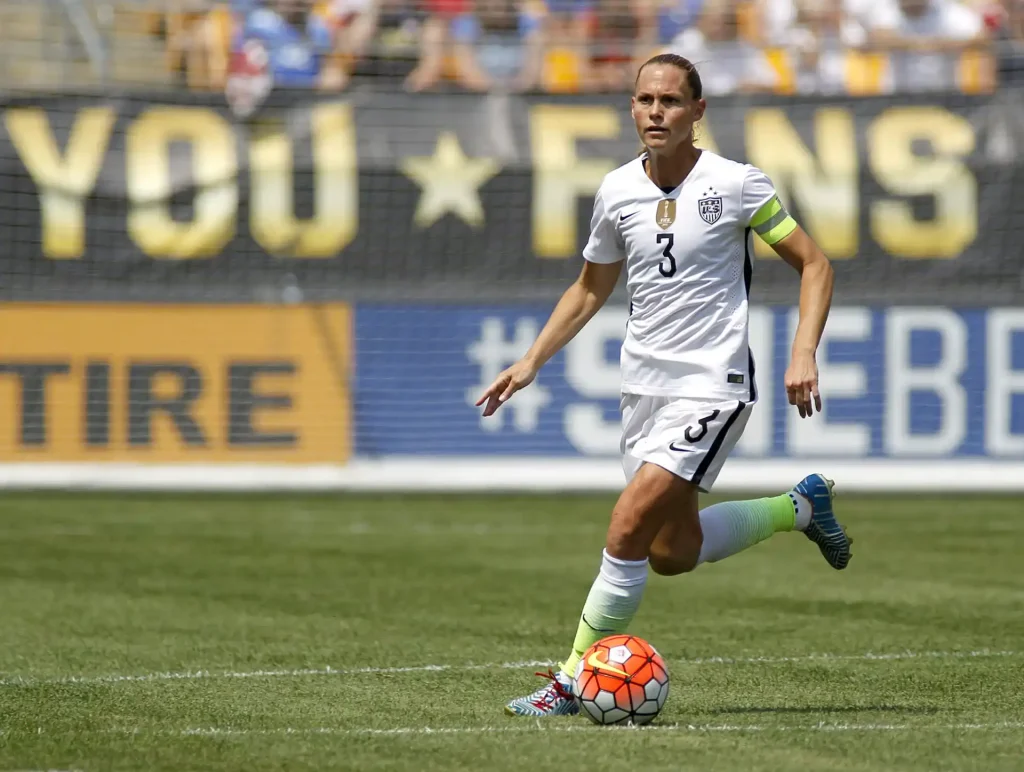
897,382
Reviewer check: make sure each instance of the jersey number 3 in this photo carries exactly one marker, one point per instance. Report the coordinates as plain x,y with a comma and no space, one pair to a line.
670,269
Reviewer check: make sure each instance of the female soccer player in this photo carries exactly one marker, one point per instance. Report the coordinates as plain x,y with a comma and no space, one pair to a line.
681,219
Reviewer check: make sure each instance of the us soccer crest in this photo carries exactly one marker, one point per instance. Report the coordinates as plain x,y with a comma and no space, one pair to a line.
666,214
710,209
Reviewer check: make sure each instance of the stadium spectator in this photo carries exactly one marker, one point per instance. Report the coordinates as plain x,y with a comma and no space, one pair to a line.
925,40
354,25
251,46
730,60
801,39
1005,21
500,51
856,21
448,39
178,26
556,37
394,50
614,46
660,22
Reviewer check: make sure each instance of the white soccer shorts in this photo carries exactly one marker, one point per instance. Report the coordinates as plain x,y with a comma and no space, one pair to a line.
691,438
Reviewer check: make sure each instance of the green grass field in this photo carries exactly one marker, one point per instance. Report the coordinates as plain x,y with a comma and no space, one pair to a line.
371,633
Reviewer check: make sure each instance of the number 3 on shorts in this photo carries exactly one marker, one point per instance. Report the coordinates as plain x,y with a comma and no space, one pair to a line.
703,424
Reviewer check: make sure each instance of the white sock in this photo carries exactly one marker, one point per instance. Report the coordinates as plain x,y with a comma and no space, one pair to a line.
803,511
613,600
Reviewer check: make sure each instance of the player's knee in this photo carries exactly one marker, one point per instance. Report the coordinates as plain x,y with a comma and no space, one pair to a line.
631,531
653,497
627,538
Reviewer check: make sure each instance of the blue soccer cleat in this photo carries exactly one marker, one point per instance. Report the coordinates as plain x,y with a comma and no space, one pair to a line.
552,699
824,530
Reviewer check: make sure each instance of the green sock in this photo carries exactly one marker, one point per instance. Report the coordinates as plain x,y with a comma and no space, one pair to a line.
733,526
613,600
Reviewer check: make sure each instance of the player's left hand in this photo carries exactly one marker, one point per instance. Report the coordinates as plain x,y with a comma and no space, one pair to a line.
802,383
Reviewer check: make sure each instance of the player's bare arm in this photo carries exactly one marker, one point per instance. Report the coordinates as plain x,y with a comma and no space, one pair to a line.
576,307
816,282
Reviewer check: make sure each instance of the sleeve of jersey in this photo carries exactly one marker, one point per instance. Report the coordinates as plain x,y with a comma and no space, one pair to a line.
603,246
768,217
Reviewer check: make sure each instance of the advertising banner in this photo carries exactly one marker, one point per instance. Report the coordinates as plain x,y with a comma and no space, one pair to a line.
897,383
487,197
174,384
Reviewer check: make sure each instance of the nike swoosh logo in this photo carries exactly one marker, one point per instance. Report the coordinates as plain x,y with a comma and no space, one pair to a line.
672,446
624,217
597,664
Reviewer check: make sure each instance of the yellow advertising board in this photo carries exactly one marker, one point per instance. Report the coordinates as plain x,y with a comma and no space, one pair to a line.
175,383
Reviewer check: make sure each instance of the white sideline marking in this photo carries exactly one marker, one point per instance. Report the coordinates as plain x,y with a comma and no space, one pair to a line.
542,726
539,726
188,675
192,675
511,474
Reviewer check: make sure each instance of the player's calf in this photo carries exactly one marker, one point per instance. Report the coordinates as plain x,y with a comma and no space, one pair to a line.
676,549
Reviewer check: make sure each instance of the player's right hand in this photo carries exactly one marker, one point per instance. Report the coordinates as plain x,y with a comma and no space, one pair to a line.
518,376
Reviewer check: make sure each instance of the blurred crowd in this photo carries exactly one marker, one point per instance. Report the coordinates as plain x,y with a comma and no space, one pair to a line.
857,47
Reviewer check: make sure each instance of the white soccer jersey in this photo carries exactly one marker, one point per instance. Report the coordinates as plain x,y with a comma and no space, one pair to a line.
689,261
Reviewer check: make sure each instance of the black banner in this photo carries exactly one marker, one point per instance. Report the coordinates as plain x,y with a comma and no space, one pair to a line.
452,196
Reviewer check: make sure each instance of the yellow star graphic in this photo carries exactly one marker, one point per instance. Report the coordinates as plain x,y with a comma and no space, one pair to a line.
449,182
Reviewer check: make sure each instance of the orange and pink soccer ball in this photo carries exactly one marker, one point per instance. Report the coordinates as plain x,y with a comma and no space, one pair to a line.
621,679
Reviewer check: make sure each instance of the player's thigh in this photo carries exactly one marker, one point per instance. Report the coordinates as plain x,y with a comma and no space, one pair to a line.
652,493
691,439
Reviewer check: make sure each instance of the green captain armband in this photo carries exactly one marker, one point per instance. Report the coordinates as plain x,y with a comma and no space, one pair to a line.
772,222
